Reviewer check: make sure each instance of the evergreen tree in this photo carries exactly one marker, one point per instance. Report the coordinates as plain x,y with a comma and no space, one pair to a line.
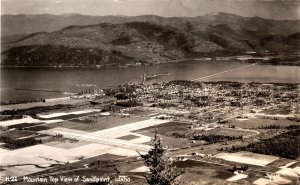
161,172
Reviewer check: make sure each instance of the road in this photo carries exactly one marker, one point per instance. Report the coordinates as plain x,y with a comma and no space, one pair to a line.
108,136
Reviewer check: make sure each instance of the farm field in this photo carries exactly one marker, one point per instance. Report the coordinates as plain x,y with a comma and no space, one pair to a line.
247,158
91,124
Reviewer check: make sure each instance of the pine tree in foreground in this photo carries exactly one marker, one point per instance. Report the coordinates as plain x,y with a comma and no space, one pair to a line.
161,172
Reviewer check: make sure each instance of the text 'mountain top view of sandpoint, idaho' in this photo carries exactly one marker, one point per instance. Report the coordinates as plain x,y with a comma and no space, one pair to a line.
150,92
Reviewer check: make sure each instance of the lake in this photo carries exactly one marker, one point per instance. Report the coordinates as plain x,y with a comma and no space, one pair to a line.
75,79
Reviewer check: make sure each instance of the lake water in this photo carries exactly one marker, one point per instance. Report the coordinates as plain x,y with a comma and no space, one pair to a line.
75,79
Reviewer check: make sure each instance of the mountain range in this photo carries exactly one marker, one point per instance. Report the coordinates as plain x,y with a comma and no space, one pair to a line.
81,40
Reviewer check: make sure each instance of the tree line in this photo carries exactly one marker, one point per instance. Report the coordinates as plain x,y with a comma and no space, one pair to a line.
34,110
289,127
285,145
211,138
18,143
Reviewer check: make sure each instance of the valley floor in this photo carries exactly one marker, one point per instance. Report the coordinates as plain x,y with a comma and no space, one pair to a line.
218,132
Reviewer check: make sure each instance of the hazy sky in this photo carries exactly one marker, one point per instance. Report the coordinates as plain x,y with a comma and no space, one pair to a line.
276,9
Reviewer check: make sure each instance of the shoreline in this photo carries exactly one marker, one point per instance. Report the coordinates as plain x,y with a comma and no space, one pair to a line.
155,66
41,104
201,59
119,66
76,101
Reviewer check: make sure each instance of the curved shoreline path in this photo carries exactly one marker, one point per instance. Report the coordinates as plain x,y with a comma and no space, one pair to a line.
220,73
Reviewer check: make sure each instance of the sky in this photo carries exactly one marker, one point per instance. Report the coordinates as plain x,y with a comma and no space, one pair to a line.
271,9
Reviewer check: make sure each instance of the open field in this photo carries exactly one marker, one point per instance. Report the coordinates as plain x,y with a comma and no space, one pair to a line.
31,156
67,144
48,155
294,172
97,123
248,158
88,145
67,115
266,181
19,121
3,150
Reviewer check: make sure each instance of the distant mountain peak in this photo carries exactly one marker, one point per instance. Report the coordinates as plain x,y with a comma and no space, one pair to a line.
70,14
221,14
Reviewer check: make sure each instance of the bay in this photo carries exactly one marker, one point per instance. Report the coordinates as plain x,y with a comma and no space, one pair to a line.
33,83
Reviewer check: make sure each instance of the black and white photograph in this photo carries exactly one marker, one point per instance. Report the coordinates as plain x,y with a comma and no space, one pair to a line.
150,92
